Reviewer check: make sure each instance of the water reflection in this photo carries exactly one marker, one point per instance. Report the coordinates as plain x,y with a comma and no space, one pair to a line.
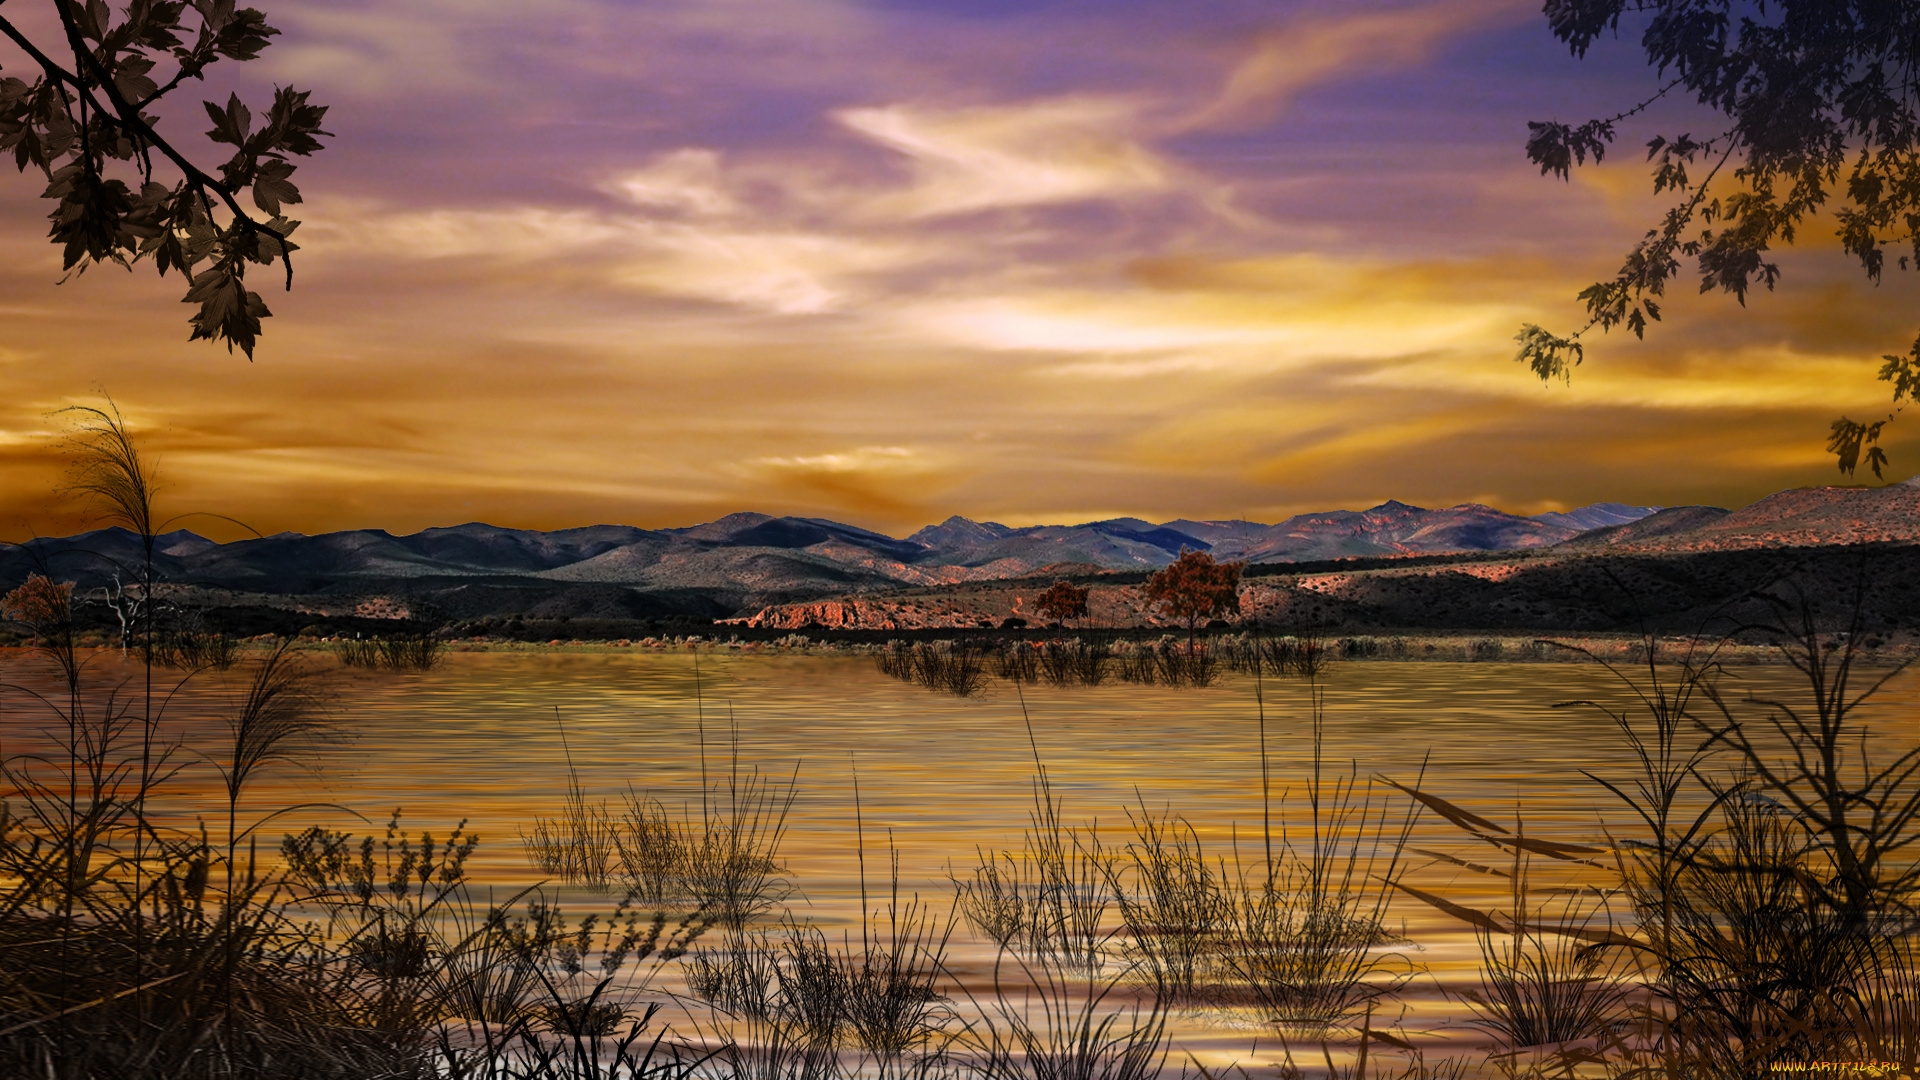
480,739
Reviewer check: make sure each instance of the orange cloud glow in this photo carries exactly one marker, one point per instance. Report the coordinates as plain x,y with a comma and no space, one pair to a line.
582,261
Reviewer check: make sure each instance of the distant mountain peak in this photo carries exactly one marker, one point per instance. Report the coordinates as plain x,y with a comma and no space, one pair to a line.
1598,516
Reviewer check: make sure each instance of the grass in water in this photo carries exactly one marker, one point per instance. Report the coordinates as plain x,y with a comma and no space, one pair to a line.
396,652
726,861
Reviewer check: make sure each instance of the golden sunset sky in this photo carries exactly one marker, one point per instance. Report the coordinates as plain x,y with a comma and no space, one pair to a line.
1034,261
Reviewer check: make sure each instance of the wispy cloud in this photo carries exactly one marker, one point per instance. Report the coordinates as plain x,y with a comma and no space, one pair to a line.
966,160
1315,49
648,260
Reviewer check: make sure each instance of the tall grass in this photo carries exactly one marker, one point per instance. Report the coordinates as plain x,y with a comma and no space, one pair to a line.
1175,905
726,861
192,647
1050,899
1166,663
798,1000
1074,663
395,652
960,672
1065,1027
1017,662
1304,653
1548,976
226,981
345,958
1772,892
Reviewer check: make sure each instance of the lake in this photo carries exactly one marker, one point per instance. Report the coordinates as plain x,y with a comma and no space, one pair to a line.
480,738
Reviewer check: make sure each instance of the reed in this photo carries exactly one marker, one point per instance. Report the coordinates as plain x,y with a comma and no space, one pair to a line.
1166,663
1175,905
1304,653
582,844
395,652
731,863
1367,1064
1065,1028
1074,663
1306,920
726,862
1018,662
227,981
890,1004
1773,902
960,672
1549,977
1052,898
800,999
540,997
192,650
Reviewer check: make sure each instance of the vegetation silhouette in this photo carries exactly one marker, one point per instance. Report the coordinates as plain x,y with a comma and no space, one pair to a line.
87,114
1813,100
1194,587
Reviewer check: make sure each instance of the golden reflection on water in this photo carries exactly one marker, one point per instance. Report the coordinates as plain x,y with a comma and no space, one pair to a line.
479,739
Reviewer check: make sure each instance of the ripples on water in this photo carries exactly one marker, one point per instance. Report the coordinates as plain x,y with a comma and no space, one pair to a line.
477,739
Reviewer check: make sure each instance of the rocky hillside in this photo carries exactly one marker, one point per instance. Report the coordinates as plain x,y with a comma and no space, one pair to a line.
790,571
1546,592
744,562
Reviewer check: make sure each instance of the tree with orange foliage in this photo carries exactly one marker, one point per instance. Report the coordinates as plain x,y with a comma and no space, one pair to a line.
1062,602
39,603
1194,587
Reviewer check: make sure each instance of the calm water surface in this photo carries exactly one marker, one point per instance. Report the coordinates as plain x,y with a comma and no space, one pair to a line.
480,738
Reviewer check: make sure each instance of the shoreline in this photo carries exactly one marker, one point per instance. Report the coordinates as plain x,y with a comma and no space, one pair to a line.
1464,647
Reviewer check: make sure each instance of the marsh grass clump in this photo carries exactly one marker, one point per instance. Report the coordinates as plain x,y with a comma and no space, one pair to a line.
961,672
1051,898
1772,900
536,995
1175,905
725,862
1304,653
582,844
1075,662
134,947
1047,1022
193,647
799,1000
1018,662
1368,1063
1167,663
1550,973
395,652
1307,919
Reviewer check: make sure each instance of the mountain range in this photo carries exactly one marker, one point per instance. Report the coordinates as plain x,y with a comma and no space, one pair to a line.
744,562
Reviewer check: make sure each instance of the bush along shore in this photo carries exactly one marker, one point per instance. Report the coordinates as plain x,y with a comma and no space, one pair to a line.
1752,911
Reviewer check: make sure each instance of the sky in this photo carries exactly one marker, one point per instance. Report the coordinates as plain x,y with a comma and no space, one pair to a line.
650,262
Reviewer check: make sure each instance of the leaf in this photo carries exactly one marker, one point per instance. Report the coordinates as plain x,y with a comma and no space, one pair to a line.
1556,148
130,79
230,125
1904,373
243,34
1547,354
1476,919
271,188
227,310
1465,819
90,18
1849,438
294,123
87,223
1475,867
